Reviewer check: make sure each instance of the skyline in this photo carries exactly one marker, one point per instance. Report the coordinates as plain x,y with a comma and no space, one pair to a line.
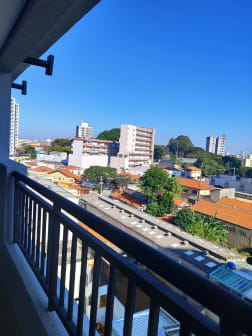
179,68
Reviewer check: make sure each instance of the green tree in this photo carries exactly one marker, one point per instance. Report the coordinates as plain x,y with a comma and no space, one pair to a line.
61,143
249,172
242,171
159,152
231,162
31,151
207,227
96,172
174,187
154,183
112,135
166,202
155,209
180,146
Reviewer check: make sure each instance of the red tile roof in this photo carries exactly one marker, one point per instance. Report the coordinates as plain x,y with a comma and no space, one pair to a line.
32,164
230,215
66,173
194,184
170,168
42,169
69,167
178,202
243,205
192,168
130,176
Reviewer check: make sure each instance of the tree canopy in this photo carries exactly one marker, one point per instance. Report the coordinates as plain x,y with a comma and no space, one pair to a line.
159,152
96,172
112,135
180,145
207,227
61,143
31,151
154,183
159,190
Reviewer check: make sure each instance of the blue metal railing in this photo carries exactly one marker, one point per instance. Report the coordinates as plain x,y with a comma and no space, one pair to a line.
39,214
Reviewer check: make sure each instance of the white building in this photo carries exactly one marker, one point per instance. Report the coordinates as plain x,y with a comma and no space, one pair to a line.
215,145
83,131
248,161
14,124
92,152
136,148
241,184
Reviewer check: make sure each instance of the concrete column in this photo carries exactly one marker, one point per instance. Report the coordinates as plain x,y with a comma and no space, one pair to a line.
6,166
5,97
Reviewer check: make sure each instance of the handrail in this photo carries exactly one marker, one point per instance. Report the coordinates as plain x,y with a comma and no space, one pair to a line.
199,288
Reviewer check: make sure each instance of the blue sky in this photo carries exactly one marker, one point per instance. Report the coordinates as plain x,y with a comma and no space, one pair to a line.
179,66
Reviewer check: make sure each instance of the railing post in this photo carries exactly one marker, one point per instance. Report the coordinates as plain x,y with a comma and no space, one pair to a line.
16,218
54,231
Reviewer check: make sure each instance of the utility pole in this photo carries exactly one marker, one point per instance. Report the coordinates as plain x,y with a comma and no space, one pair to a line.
101,183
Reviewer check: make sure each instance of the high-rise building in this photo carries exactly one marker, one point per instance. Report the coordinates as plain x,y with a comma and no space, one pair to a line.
215,145
136,147
14,124
210,144
83,131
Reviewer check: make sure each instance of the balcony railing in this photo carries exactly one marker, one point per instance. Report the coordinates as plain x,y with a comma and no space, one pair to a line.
42,218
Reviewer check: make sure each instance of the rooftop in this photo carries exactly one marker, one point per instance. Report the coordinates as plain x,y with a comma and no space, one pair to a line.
69,167
95,140
225,213
129,175
42,169
162,235
193,168
236,203
66,173
194,184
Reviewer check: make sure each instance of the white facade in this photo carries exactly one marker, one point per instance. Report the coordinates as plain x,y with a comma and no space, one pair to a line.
83,131
92,152
215,145
248,161
241,184
210,144
136,148
14,124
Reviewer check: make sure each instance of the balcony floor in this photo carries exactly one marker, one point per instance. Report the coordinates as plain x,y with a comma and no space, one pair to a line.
8,326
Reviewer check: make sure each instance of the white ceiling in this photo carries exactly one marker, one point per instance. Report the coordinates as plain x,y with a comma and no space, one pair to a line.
9,12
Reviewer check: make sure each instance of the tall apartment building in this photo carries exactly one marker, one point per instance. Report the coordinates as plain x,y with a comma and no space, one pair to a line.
92,152
136,148
215,145
83,131
14,124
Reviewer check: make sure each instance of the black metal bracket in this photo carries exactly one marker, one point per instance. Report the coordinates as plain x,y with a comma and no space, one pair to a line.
48,64
22,87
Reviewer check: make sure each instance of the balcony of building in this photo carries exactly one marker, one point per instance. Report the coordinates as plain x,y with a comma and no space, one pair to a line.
58,260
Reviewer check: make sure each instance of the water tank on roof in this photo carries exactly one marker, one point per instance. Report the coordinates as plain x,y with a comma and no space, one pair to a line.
231,265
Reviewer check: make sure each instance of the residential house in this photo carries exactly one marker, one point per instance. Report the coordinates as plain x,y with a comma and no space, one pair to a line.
73,169
194,190
193,173
236,214
41,170
64,176
172,171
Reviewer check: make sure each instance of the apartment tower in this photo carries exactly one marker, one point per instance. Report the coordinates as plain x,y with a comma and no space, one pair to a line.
136,147
215,145
83,131
14,124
